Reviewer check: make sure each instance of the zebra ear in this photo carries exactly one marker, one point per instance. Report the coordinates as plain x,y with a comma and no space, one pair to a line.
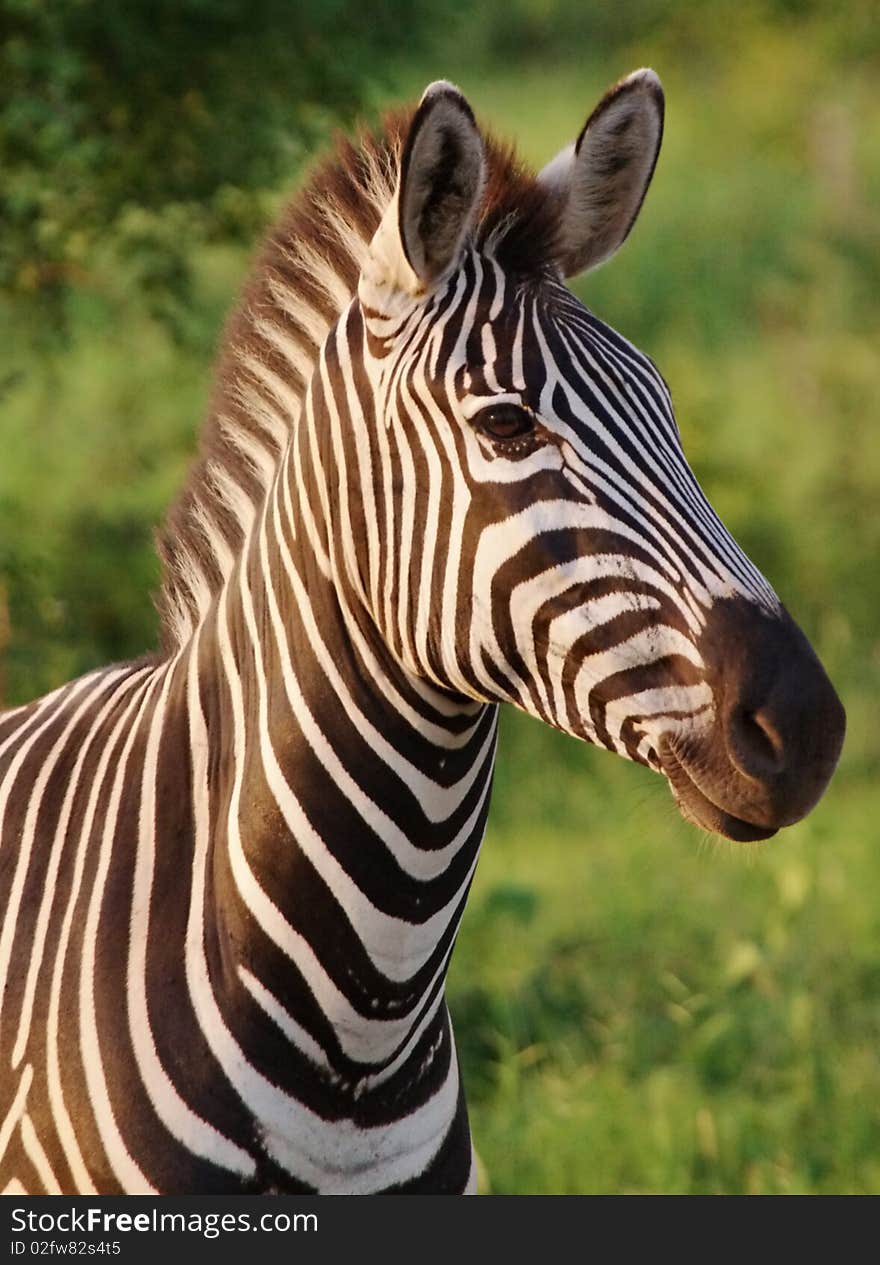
603,177
442,176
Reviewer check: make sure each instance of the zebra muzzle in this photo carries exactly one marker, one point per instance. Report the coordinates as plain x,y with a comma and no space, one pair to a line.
777,733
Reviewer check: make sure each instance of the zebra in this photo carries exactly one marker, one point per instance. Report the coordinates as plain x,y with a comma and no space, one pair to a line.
430,482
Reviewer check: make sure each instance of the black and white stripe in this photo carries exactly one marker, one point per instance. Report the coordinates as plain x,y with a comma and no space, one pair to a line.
231,876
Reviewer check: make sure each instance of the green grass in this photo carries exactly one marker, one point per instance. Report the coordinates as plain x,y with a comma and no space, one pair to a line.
636,1008
640,1009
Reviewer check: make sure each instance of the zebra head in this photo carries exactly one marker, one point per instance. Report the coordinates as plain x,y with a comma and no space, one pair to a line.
531,530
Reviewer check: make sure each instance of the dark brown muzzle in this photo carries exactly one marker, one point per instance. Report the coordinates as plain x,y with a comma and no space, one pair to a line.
778,730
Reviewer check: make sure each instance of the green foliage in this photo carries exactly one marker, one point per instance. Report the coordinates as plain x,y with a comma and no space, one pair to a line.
695,31
631,1013
158,123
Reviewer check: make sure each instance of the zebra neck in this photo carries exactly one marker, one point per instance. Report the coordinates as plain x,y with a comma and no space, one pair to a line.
348,827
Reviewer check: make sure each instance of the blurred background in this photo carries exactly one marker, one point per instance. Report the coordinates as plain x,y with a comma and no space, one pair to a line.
637,1008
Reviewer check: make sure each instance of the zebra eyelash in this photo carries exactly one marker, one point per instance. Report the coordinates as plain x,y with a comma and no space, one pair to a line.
507,429
504,422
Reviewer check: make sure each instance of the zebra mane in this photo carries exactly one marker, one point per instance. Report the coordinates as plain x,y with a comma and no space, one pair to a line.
303,277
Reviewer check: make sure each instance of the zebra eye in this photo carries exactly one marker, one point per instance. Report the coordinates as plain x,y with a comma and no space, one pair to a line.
505,421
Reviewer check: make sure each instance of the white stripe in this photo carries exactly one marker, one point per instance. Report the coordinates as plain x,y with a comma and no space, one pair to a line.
328,1156
436,801
37,1156
658,707
41,927
10,914
364,1040
397,947
418,863
61,1116
16,1108
284,1020
190,1129
125,1168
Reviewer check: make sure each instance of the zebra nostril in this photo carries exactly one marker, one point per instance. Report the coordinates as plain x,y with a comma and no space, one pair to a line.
755,743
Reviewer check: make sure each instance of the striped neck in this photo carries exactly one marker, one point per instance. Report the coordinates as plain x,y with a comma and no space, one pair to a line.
349,812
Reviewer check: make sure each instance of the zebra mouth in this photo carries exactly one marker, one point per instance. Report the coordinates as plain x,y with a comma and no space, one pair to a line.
696,807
